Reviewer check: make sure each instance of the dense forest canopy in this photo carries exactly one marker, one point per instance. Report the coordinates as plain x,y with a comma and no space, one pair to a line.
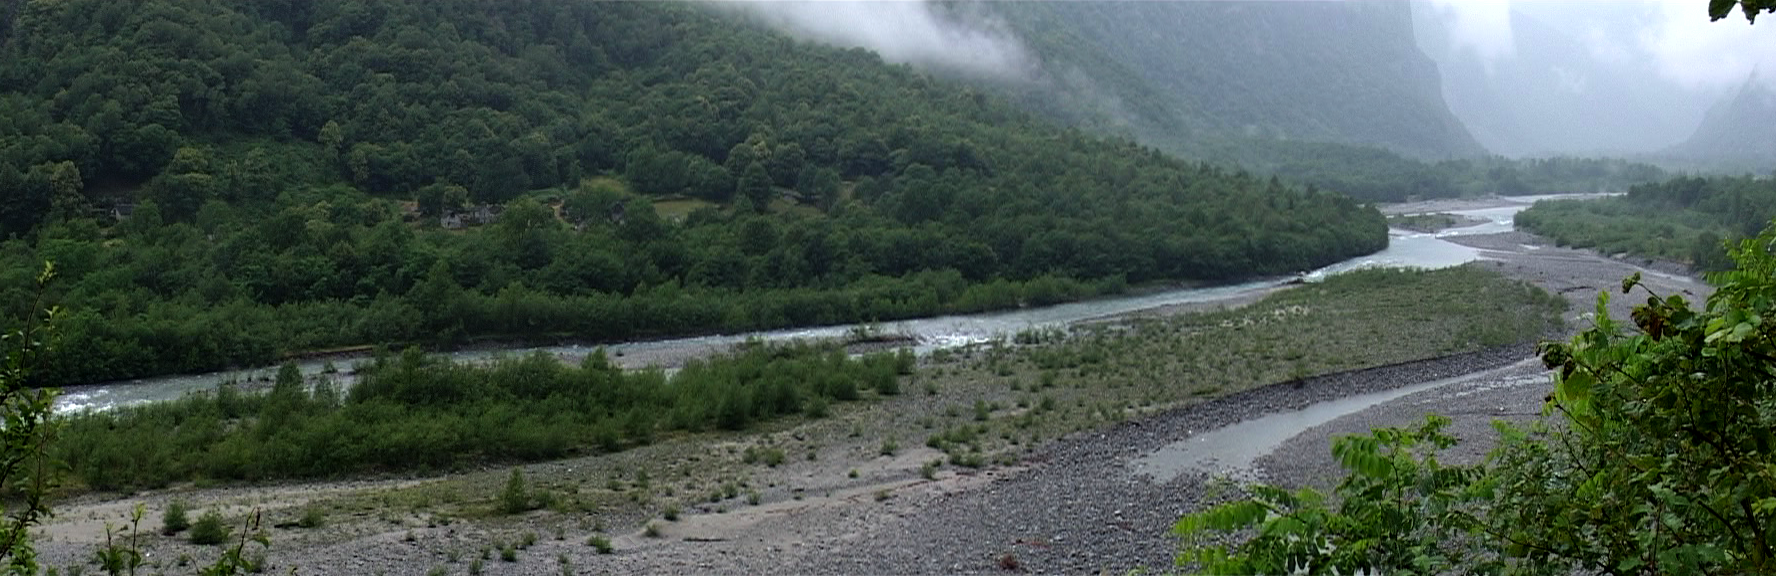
224,182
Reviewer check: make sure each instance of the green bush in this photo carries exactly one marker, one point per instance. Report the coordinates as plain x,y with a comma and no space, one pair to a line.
173,520
209,529
515,498
600,543
312,517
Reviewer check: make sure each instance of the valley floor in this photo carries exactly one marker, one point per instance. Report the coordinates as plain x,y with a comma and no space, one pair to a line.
1060,491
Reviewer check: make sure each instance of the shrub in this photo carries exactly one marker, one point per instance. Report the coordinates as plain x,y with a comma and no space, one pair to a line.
600,543
173,519
515,498
312,517
772,457
209,529
816,407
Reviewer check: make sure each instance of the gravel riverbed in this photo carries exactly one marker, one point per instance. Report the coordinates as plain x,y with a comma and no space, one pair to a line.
1073,505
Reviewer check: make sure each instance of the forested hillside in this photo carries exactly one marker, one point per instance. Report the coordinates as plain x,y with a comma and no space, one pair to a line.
1180,74
1336,95
1684,219
1382,175
224,182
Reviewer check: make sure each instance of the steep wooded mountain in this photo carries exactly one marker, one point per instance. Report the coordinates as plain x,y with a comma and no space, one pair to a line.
225,182
1353,108
1182,74
1736,133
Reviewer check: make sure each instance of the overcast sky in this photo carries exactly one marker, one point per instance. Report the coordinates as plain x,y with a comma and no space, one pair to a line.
1675,36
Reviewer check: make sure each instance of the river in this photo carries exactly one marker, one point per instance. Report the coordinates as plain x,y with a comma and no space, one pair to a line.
1405,249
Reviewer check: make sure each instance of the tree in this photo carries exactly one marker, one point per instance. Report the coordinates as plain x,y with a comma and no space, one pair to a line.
819,186
708,180
755,186
332,139
25,467
1662,463
744,154
1718,9
786,163
515,498
525,229
430,200
65,190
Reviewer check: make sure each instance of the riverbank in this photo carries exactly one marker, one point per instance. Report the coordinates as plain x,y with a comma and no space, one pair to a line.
1432,222
1055,489
826,494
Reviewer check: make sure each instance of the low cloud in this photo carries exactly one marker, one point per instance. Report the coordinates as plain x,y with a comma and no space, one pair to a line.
1672,38
910,32
1483,27
1701,55
1606,47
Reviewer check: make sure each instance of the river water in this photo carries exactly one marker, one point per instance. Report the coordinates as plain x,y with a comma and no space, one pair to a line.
1405,249
1234,448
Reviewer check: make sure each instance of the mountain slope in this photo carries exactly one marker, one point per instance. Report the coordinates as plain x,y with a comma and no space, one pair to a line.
1736,130
661,170
1345,72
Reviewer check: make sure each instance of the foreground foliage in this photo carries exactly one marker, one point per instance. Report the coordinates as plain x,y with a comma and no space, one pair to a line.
26,472
413,411
1660,462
